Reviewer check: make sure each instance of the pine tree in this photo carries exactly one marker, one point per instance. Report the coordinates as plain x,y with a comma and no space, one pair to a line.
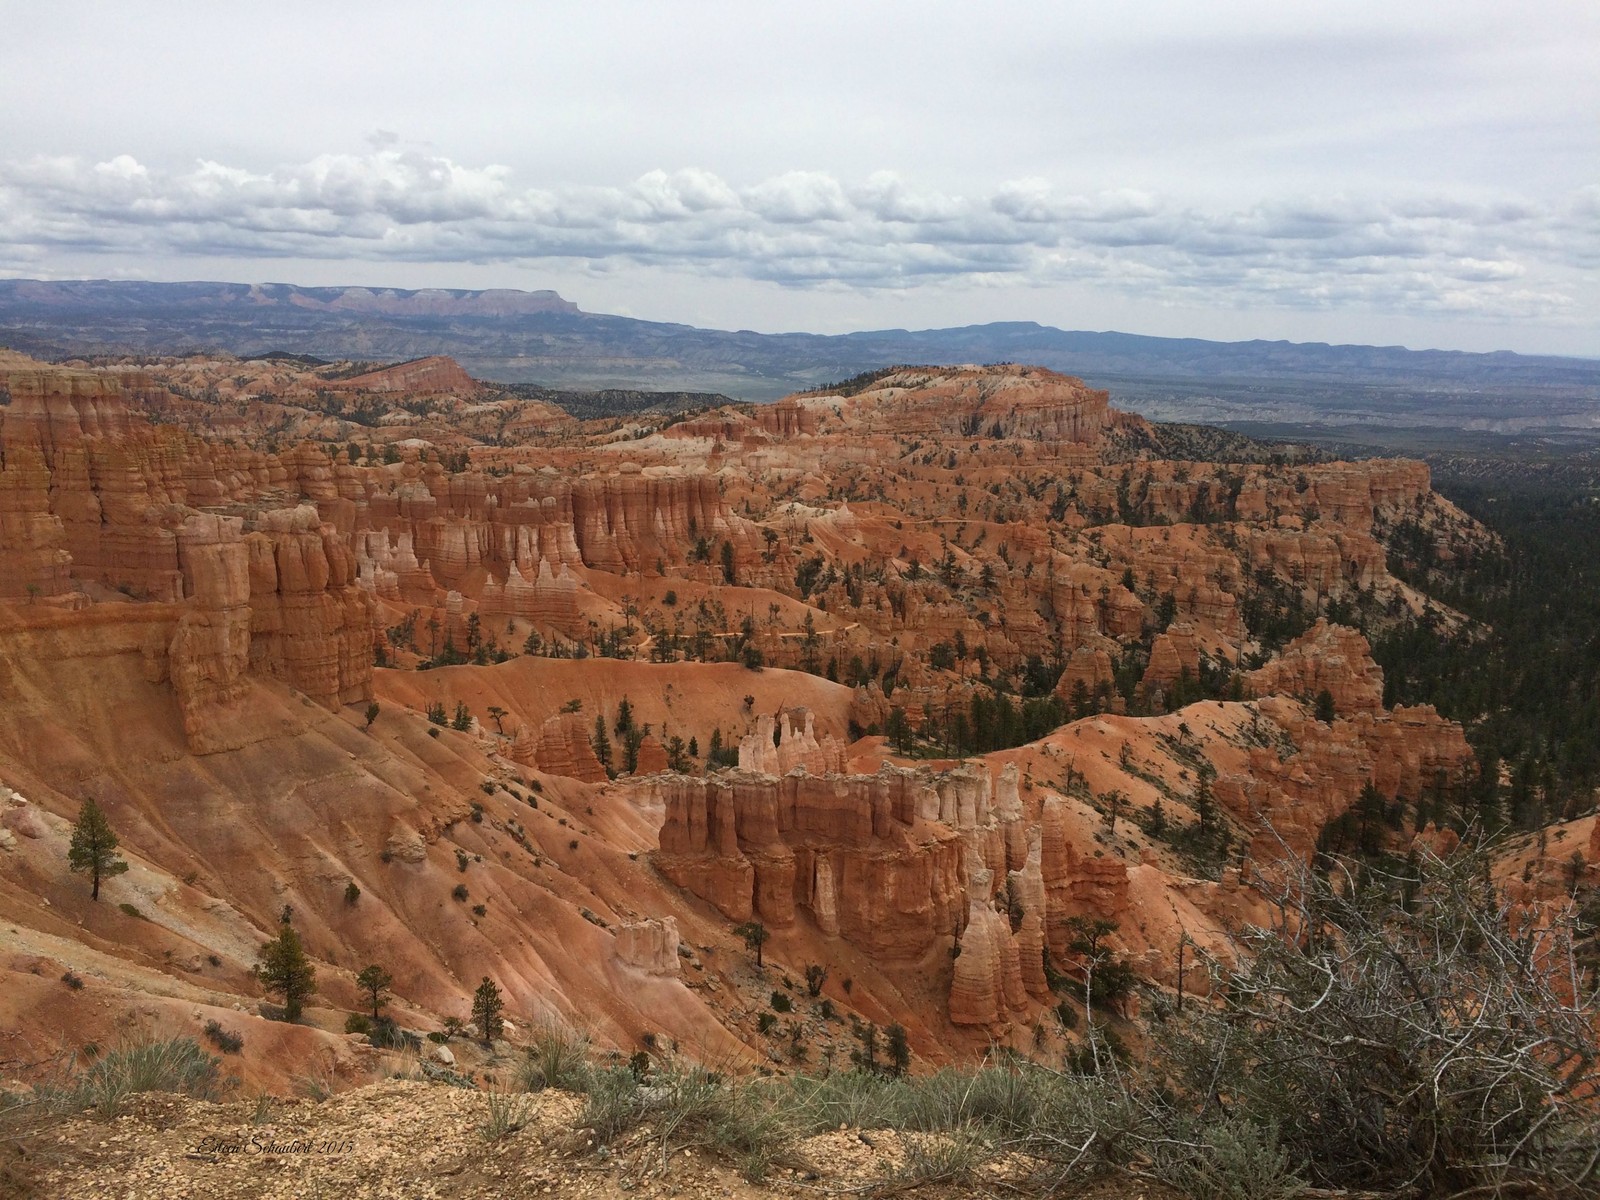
601,742
755,936
867,1057
899,732
486,1008
284,968
94,847
1113,800
1326,711
374,981
1205,808
899,1050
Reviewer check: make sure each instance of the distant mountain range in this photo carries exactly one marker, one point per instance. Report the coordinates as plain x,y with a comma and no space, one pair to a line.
538,337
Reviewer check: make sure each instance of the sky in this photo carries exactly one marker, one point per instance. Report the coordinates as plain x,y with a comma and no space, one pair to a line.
1413,172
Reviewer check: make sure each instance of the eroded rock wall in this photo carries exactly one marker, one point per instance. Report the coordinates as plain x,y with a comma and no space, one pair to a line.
93,497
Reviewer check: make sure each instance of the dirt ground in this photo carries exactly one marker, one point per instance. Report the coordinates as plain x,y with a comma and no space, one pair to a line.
418,1140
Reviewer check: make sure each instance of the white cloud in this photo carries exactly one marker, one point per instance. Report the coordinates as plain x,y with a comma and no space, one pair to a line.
1509,258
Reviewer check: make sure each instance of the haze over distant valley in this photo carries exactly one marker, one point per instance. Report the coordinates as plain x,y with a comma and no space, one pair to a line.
538,337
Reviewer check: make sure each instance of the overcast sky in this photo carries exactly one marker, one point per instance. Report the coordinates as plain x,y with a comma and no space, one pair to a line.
1400,171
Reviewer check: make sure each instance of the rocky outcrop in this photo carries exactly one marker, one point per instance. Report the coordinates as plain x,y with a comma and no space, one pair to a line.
652,758
1330,658
624,521
91,495
387,566
1089,605
650,945
765,751
82,476
1321,560
561,747
550,598
787,418
989,402
209,655
1043,406
1174,654
1287,796
545,524
987,978
310,625
437,374
863,854
1087,669
1025,888
278,602
1075,883
896,863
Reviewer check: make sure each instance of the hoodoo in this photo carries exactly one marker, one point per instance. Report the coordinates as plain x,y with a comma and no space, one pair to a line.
926,683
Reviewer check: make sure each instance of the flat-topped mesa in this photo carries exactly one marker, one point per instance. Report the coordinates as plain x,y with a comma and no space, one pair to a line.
1006,401
435,375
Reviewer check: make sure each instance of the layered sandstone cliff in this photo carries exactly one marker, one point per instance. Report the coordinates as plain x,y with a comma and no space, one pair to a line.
903,862
93,497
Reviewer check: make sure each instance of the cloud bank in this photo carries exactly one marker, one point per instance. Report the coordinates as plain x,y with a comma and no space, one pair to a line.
1500,259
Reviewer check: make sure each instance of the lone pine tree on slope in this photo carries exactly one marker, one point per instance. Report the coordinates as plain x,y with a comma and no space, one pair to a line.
487,1006
375,982
94,847
284,968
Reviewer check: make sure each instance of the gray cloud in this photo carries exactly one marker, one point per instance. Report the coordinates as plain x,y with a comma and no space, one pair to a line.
1505,258
1366,170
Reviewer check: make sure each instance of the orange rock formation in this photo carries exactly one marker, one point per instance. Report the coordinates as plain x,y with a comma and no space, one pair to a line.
191,606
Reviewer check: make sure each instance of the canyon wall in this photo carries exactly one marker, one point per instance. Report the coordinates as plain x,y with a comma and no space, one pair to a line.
98,507
905,862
